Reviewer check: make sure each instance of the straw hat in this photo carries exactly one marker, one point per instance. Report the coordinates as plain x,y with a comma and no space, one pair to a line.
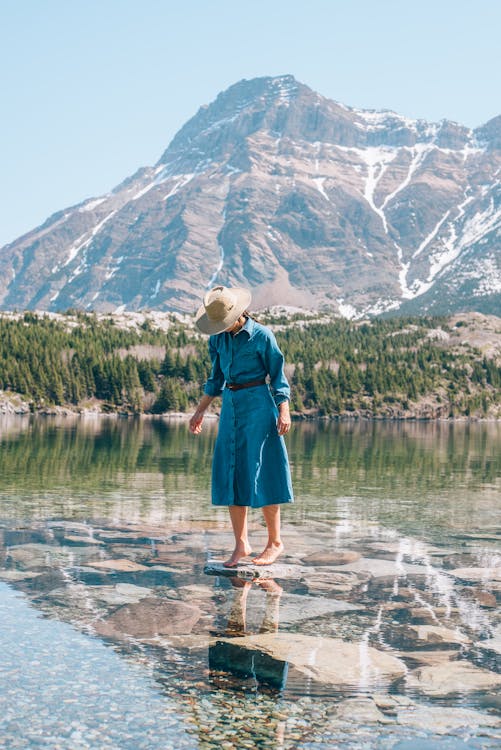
221,308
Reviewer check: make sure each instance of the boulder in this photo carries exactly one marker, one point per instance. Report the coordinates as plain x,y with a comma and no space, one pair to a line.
327,660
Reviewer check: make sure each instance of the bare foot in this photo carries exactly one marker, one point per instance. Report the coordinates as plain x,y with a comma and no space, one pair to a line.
239,552
269,554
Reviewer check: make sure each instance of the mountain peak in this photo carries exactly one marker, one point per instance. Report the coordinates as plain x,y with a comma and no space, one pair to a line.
309,202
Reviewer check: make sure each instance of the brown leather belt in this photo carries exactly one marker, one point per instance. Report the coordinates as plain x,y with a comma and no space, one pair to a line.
239,386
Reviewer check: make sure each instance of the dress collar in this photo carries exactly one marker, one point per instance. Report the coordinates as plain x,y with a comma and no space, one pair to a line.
248,327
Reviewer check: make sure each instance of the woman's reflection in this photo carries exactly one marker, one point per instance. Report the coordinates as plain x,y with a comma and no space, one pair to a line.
226,657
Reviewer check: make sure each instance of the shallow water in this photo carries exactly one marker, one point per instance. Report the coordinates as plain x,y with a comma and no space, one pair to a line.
380,628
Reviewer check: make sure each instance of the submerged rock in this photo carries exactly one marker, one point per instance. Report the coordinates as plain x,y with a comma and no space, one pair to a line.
452,677
363,710
428,658
18,575
327,660
122,593
45,555
382,568
122,564
150,617
477,574
438,634
435,719
338,557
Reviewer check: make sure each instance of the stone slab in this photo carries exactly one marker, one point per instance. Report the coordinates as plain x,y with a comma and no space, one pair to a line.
121,564
250,571
327,660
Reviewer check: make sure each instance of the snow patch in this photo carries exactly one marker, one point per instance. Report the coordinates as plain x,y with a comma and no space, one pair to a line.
157,289
92,204
319,183
431,236
419,152
79,245
214,276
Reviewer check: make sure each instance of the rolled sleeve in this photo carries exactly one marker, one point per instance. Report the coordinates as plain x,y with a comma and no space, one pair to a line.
274,361
214,383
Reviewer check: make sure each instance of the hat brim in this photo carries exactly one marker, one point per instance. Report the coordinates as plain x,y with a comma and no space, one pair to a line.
206,325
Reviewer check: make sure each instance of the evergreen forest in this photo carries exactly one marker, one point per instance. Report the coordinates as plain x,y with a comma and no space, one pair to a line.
386,368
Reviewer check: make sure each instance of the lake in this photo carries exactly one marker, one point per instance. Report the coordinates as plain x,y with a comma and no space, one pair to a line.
379,627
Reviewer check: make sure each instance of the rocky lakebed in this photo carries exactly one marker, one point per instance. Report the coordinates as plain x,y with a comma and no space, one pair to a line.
360,639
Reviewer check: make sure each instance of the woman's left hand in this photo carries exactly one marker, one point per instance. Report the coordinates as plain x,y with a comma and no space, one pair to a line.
284,418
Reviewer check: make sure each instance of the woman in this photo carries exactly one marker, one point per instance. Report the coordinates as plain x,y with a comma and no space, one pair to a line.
250,466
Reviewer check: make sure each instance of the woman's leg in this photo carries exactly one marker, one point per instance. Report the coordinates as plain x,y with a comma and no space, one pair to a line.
274,546
238,515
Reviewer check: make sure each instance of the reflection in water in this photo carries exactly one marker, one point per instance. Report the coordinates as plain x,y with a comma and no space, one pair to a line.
392,570
257,666
437,477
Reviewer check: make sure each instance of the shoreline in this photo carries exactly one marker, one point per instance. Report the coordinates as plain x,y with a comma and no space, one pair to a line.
185,416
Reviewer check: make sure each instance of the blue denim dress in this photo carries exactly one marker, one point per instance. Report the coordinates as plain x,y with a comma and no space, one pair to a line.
250,464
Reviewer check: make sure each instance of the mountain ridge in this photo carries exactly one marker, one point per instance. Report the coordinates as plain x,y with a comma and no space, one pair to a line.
308,201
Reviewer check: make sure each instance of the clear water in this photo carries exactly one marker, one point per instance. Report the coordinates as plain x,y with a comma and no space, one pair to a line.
141,652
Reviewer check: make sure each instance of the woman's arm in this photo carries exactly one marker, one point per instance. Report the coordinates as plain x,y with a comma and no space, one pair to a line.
197,418
212,388
274,362
284,418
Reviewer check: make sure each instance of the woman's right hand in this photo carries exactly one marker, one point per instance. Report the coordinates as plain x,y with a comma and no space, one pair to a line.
196,423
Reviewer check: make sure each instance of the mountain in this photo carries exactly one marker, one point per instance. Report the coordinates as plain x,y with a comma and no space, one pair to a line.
311,203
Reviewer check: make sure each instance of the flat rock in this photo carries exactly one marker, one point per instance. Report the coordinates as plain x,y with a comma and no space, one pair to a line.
196,591
250,571
189,642
43,555
439,721
18,575
477,574
122,593
361,710
337,557
428,658
150,617
127,566
296,608
452,677
438,634
381,568
327,660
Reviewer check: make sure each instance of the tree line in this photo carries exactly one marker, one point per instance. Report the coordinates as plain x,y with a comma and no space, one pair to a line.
393,367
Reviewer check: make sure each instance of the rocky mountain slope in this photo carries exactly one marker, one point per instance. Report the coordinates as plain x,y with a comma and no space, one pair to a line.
311,203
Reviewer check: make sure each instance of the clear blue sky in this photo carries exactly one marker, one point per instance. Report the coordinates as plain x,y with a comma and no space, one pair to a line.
91,90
